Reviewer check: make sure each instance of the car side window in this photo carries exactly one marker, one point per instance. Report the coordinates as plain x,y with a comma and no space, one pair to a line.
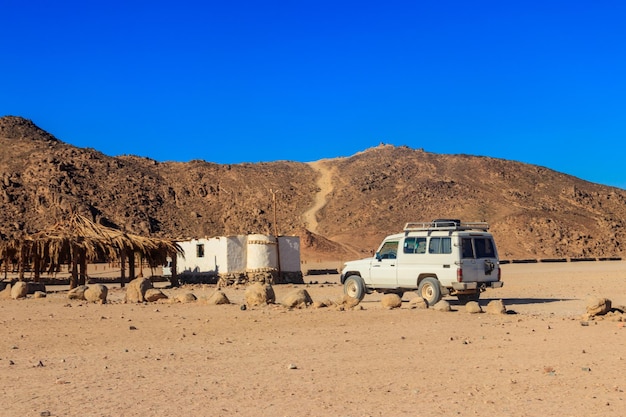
414,245
438,245
467,248
389,250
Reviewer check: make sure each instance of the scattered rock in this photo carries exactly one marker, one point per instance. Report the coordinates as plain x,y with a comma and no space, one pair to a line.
297,299
495,307
185,298
259,294
153,294
348,302
473,307
419,303
5,294
597,306
77,293
39,294
218,298
442,305
19,290
391,301
96,293
319,304
136,290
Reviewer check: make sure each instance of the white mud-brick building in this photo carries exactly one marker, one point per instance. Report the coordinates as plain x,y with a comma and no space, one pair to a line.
229,260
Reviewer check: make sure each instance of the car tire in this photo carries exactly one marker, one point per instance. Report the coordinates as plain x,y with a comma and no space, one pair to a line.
354,287
430,290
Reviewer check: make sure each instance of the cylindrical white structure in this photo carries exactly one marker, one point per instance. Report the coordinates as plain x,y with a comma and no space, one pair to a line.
262,255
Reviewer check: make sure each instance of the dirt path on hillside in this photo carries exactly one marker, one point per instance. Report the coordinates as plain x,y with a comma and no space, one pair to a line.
325,184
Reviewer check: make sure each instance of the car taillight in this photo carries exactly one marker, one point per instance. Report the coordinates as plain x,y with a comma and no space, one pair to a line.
499,273
459,274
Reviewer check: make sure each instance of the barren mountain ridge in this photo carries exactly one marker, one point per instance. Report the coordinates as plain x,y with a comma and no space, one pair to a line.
341,208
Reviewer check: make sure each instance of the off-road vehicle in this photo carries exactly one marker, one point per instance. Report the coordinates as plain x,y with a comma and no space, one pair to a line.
438,258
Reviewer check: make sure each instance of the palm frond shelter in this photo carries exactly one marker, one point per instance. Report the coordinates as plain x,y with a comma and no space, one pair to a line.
76,241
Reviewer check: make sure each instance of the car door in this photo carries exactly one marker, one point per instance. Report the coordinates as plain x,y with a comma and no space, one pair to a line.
384,268
479,259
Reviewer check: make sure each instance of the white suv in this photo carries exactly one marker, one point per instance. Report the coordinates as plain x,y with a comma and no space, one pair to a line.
442,257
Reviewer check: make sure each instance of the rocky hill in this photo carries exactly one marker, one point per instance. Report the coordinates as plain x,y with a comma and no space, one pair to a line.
341,208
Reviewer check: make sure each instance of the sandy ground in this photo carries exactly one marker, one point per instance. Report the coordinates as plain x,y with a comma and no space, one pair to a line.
69,358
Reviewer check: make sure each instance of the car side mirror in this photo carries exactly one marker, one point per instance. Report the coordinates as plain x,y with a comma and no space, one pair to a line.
377,256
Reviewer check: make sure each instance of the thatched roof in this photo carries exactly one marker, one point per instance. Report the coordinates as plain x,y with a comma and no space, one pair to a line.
76,234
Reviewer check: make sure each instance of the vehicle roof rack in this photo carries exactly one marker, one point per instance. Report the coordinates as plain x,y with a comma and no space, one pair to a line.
445,224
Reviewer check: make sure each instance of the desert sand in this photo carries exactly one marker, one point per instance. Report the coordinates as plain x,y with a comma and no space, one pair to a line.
61,357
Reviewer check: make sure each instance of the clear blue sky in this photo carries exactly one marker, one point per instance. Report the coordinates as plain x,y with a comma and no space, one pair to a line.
542,82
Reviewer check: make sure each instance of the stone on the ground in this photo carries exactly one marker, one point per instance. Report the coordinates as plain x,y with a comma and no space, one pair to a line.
217,298
136,290
495,307
19,290
39,294
442,305
154,294
597,306
5,294
259,294
96,293
473,307
348,302
297,298
77,293
186,297
391,301
418,302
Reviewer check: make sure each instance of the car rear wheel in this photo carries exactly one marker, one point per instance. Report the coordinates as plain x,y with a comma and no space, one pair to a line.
430,290
354,287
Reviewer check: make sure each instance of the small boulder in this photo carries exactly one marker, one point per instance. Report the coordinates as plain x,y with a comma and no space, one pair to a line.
297,298
218,298
597,306
473,307
153,294
19,290
5,294
419,303
77,293
39,294
391,301
348,302
259,294
495,307
96,293
442,305
136,290
185,298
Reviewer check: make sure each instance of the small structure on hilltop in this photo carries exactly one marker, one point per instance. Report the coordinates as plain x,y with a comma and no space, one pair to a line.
239,259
